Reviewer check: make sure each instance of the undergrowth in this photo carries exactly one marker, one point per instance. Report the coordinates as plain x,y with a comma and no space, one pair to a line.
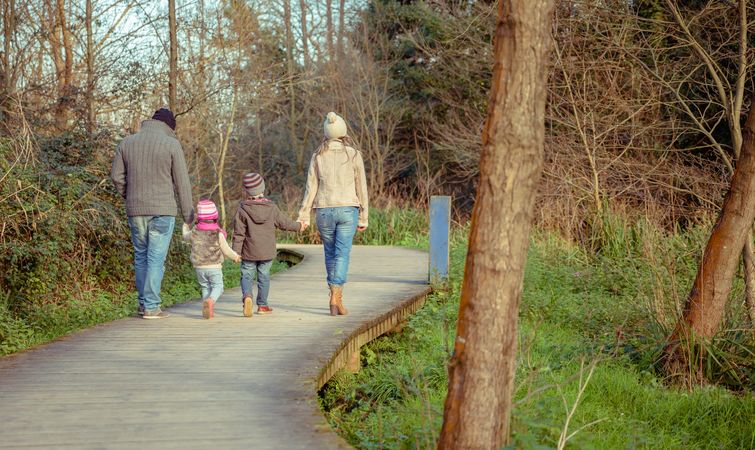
601,311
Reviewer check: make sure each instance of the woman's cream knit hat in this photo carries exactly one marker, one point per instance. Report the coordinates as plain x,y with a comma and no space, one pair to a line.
335,127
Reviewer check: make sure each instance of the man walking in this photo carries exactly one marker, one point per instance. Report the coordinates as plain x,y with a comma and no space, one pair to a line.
148,170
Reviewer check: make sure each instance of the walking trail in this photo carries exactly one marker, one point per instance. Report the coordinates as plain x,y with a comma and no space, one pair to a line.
226,383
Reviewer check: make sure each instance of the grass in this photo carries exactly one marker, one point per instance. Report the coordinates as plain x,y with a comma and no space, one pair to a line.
597,312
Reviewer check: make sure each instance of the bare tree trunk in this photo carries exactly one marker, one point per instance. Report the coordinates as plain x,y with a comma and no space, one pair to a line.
224,141
90,121
731,100
736,106
291,91
7,36
341,31
202,44
704,309
329,33
260,148
173,70
481,381
748,256
67,45
8,71
9,27
748,266
304,33
60,40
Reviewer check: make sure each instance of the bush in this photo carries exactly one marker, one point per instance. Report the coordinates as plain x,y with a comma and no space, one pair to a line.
64,244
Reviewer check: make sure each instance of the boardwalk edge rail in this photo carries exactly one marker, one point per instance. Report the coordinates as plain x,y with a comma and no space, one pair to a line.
367,332
350,347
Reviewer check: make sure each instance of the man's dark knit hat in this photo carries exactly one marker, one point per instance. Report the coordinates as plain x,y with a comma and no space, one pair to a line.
165,115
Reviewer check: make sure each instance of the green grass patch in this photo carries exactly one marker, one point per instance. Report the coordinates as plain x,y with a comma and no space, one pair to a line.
600,313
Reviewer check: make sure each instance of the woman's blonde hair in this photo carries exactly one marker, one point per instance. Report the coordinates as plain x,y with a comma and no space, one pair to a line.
345,141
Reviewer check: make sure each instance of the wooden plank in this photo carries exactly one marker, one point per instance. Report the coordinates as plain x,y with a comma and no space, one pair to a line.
231,382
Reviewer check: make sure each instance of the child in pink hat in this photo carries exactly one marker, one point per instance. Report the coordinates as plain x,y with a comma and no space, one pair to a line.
208,247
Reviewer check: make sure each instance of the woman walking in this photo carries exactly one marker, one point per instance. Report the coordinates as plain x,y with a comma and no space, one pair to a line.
337,190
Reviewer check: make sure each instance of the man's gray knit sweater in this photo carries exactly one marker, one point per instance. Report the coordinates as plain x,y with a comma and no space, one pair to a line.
149,169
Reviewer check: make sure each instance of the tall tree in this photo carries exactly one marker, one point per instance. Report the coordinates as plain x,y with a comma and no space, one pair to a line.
748,264
61,48
297,148
304,33
341,31
704,308
730,95
478,406
329,29
225,139
90,119
173,70
8,74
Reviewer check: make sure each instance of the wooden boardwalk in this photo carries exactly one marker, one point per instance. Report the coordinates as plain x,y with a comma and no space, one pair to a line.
231,382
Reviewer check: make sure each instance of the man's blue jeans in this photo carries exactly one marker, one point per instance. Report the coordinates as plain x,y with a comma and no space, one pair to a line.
211,282
151,238
262,269
337,227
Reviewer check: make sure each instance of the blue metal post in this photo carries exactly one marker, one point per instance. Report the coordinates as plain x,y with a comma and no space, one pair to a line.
440,228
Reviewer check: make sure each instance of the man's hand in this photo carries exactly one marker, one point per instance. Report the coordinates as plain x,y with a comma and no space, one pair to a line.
361,228
238,259
304,226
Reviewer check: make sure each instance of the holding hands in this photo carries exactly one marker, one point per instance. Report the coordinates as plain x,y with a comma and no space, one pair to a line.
304,226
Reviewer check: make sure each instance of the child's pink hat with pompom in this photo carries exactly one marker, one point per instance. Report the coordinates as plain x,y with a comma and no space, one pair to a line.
206,210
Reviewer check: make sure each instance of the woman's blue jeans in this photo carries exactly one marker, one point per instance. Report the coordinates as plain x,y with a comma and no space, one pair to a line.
337,227
150,236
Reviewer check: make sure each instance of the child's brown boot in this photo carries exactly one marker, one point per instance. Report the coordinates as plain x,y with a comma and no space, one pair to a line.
207,308
247,306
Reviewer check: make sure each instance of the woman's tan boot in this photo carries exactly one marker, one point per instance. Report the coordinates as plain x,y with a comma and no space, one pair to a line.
336,301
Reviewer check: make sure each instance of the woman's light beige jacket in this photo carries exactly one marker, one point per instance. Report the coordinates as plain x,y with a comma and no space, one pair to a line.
336,178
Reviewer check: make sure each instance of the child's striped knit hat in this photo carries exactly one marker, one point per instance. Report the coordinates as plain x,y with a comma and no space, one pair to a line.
206,210
254,185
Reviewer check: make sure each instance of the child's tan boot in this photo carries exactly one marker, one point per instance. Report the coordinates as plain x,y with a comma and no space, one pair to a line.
208,308
247,306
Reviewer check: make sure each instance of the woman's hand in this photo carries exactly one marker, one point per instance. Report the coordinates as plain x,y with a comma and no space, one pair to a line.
303,226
